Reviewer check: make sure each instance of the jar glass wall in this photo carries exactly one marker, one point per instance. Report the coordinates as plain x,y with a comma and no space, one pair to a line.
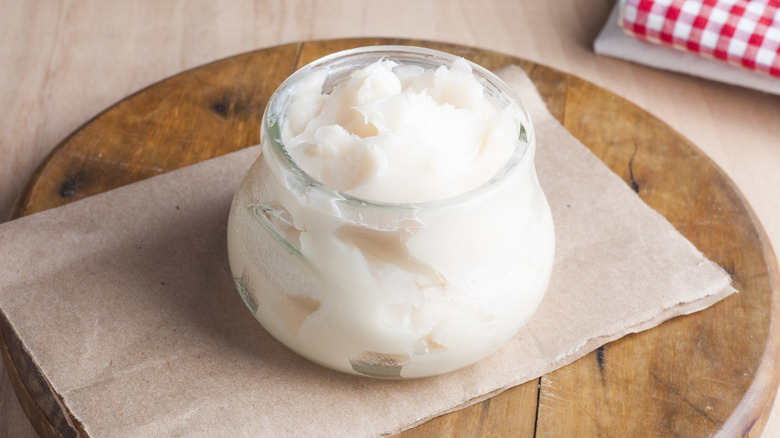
390,289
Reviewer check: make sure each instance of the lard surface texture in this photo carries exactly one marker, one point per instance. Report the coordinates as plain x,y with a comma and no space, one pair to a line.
400,133
393,291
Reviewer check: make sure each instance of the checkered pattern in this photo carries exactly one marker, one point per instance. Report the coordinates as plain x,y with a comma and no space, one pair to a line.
745,33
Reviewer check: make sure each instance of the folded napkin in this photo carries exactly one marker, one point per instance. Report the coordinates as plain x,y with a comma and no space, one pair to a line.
745,33
126,303
731,41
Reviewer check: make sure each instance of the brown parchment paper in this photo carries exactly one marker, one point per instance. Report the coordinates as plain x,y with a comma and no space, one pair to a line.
126,303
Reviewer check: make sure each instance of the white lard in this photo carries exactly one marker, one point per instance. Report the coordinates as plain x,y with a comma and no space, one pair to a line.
436,245
400,133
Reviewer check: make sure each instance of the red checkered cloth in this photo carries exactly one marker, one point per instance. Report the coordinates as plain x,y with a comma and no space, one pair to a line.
745,33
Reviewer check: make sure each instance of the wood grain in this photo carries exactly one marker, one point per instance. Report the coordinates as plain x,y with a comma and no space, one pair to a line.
695,375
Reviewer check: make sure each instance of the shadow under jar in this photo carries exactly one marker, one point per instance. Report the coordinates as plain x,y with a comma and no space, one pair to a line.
399,285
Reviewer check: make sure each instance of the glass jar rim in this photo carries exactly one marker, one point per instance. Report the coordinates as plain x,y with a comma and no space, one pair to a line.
353,59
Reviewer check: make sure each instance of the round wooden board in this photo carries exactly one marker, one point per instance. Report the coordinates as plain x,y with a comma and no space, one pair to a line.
712,371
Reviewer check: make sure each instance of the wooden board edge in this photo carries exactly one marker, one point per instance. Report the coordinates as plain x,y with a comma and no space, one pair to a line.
750,417
54,422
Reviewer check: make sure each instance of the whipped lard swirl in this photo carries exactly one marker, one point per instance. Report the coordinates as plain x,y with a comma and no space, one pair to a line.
400,133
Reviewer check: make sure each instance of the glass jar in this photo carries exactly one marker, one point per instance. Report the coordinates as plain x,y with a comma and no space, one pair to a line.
390,290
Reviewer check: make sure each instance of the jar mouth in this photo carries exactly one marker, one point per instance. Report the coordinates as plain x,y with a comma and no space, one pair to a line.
339,65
